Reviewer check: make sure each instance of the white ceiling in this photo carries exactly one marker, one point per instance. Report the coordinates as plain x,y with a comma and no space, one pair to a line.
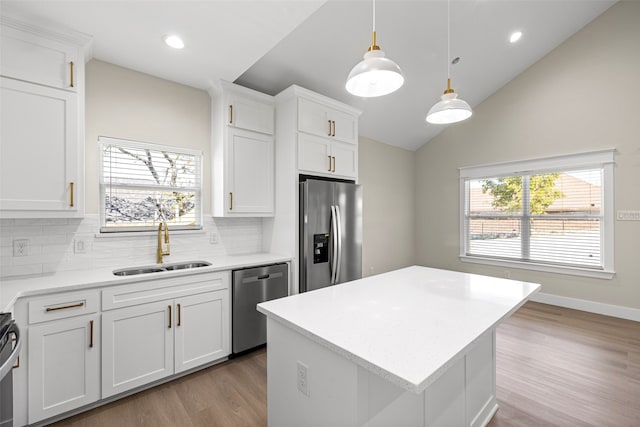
269,45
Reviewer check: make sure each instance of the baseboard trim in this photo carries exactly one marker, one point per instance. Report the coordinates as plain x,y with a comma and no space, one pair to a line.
590,306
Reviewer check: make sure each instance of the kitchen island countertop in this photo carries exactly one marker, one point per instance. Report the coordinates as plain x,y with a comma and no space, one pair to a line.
407,326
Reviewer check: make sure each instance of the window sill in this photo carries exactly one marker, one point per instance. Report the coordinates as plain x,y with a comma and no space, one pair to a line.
146,233
573,271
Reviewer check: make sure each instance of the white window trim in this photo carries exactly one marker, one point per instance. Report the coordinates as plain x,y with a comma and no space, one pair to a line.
134,231
601,158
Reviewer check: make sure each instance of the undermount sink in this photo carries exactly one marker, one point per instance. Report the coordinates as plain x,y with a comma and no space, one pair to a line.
158,268
187,265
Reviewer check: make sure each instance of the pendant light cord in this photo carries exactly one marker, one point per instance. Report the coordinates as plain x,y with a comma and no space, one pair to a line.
448,38
374,15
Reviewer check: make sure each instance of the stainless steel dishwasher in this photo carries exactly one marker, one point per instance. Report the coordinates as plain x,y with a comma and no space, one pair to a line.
252,286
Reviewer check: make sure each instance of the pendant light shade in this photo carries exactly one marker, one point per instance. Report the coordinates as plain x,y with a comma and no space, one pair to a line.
375,75
449,109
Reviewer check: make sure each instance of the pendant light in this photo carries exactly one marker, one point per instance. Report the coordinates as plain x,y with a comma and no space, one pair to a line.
450,109
375,75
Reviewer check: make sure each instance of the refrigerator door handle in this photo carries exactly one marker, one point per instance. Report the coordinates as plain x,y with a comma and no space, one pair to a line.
339,243
334,245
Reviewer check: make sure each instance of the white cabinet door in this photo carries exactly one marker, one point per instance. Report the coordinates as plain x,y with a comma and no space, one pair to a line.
64,371
250,175
250,114
345,159
202,329
314,154
345,126
137,346
39,155
313,118
323,156
322,120
33,58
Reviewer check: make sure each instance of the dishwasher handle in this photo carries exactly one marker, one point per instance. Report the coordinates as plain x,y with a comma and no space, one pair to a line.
261,278
8,365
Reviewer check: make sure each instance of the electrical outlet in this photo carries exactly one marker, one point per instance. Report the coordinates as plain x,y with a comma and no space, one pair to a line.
213,238
303,379
21,247
507,274
80,246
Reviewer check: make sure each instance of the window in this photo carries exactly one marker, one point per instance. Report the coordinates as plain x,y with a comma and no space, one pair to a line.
553,214
143,184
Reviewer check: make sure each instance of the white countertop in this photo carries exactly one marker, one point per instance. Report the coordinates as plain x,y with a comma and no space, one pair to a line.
408,325
13,288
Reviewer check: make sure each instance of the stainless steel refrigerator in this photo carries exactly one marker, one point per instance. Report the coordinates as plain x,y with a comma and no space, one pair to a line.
330,233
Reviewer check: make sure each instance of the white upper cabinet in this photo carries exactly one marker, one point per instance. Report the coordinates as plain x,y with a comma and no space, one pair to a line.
319,119
249,113
42,121
323,131
242,150
28,56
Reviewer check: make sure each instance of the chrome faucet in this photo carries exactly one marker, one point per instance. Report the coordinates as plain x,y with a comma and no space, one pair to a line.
161,252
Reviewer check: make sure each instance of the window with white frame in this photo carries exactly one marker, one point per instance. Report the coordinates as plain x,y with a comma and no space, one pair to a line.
142,185
553,214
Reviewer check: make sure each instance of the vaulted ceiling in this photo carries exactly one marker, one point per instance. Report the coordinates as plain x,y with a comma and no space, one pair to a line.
269,45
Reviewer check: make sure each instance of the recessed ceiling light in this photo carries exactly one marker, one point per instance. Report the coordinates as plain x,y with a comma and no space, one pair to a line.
173,41
515,36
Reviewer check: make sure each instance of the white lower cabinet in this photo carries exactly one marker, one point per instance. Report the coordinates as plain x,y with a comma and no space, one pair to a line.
137,346
202,329
64,365
91,344
148,342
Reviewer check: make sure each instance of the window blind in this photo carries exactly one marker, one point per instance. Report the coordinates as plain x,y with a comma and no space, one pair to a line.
145,184
553,216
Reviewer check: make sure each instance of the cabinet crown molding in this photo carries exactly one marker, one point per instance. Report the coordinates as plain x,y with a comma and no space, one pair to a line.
82,40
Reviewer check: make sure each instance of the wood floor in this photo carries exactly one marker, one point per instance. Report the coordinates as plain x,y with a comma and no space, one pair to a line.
555,367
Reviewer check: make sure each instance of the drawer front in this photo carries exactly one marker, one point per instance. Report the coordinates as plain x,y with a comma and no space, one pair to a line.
162,289
62,306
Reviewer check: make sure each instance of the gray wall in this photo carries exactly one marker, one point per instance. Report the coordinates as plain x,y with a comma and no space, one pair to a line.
583,96
122,103
388,177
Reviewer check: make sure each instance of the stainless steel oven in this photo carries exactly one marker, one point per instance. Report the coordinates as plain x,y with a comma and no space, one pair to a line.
9,350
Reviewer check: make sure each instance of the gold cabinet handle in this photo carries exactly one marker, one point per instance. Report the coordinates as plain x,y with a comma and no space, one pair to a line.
169,316
71,185
329,134
334,164
64,307
71,73
329,170
334,128
231,201
90,333
231,114
179,315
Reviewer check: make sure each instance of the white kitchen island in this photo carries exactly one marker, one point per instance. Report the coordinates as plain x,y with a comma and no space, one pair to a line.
413,347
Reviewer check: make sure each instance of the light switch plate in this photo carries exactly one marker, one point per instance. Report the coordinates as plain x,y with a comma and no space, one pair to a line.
80,246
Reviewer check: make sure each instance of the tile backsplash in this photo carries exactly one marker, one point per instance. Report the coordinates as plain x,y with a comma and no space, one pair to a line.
51,245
